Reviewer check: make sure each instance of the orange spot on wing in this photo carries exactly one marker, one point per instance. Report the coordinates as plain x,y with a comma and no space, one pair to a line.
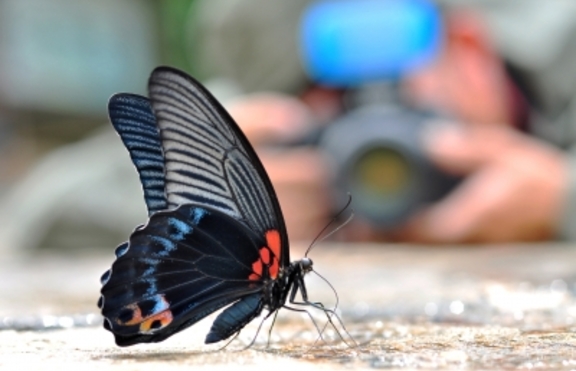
165,317
136,315
273,242
253,277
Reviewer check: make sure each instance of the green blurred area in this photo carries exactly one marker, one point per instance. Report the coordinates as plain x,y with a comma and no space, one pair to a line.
174,19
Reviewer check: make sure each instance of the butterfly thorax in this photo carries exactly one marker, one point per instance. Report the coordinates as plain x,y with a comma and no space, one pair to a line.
276,291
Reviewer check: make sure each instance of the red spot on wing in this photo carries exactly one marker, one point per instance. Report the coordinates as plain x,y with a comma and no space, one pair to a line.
269,257
273,241
273,270
257,267
265,255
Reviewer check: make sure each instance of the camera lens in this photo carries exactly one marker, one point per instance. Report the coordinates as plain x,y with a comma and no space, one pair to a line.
381,173
380,179
378,158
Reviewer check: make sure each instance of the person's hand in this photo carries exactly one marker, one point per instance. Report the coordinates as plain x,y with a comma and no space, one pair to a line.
512,191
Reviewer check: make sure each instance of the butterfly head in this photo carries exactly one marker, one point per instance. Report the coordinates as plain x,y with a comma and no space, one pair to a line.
306,265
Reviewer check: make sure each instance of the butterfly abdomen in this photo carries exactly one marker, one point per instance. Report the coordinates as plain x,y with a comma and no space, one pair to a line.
235,318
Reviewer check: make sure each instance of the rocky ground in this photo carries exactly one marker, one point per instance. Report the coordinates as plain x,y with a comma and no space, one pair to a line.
406,307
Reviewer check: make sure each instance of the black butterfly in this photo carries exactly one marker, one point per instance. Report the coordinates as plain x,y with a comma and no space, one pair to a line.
215,234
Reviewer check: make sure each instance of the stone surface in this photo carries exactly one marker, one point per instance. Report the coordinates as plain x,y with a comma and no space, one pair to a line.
407,307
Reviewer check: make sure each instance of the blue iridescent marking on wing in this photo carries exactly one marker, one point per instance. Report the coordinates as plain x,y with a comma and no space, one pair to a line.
198,214
167,245
149,272
153,289
180,229
148,276
133,118
160,304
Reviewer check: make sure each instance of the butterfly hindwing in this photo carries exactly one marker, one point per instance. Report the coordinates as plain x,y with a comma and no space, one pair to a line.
177,269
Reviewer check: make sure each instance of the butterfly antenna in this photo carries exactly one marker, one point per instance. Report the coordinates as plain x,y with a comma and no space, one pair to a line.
332,221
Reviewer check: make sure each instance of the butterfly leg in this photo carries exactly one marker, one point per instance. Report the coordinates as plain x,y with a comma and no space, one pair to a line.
229,341
271,327
300,286
260,327
311,318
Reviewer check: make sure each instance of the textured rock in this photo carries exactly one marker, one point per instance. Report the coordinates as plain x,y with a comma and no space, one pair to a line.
407,307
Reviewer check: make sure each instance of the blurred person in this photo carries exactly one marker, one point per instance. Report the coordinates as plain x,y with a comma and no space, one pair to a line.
517,187
512,88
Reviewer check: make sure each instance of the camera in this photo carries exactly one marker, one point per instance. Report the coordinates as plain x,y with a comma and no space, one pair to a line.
366,47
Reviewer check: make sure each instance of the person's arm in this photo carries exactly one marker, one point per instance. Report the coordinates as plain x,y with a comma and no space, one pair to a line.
516,188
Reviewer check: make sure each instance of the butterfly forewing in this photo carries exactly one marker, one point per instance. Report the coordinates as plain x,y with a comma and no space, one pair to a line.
208,160
132,117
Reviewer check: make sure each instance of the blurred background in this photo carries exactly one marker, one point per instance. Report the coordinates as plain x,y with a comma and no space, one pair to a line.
448,121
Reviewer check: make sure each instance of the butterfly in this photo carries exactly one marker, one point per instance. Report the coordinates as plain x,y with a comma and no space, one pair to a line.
215,235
